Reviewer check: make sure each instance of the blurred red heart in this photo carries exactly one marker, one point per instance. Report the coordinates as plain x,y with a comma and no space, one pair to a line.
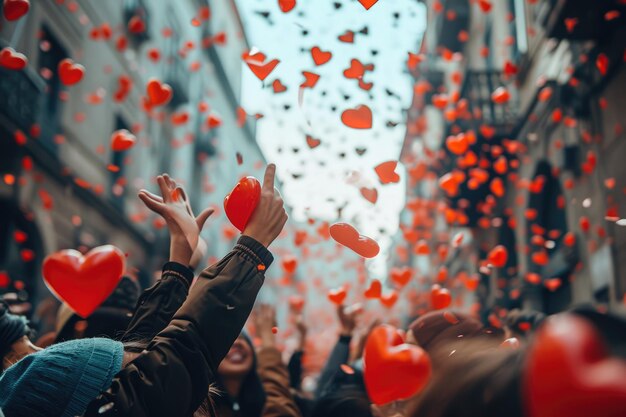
122,140
320,57
358,118
14,9
286,5
389,300
569,372
370,194
393,370
501,96
368,3
338,295
498,256
70,72
387,172
290,263
241,202
278,87
347,37
12,60
159,93
296,303
84,282
375,290
458,144
312,142
440,298
485,5
401,276
348,236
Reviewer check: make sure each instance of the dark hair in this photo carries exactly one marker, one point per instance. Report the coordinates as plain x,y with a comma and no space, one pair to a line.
479,382
12,328
516,321
343,396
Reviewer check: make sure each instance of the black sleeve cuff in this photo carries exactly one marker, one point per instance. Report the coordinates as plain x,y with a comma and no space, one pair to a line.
345,339
179,270
258,249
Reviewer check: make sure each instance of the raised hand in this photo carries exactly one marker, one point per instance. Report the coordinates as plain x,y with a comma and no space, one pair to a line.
348,318
183,227
265,320
270,216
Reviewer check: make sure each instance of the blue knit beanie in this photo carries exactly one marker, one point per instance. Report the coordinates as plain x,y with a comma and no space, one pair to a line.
61,380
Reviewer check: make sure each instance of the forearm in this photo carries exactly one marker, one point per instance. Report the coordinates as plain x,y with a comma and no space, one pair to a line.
339,355
158,304
295,369
275,379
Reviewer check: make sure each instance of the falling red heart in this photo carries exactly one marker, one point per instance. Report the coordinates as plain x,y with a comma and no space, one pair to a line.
14,9
401,276
501,96
70,72
337,296
290,263
440,298
498,256
12,60
375,290
286,5
159,93
122,140
370,194
485,5
368,3
569,372
312,142
296,303
320,57
84,282
602,63
387,172
458,144
258,66
241,202
310,79
278,87
358,118
347,37
393,370
349,237
389,300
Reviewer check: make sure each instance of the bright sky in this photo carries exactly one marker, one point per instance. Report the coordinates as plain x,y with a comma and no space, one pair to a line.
317,181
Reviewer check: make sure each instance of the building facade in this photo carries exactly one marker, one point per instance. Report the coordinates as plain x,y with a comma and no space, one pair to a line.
514,138
62,184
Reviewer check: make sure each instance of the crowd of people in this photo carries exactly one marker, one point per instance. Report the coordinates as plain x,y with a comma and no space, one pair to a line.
180,348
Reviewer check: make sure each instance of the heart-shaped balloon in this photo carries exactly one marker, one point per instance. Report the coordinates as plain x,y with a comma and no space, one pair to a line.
70,72
159,93
84,282
12,60
570,373
241,202
122,140
393,370
348,236
14,9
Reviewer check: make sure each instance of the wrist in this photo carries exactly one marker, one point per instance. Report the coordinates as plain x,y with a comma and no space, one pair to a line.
180,251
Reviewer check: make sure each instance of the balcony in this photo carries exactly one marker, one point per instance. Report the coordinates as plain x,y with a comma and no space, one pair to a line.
582,20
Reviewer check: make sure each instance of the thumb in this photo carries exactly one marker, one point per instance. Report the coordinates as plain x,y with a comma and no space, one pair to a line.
203,217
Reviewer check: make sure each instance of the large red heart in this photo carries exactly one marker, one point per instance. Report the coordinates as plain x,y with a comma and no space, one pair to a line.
358,118
570,373
159,93
12,60
84,282
241,202
14,9
393,370
70,72
348,236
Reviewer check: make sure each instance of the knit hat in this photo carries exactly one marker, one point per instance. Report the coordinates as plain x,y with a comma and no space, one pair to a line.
12,328
61,380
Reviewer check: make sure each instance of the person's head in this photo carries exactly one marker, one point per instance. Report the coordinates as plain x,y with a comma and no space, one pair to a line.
14,341
445,328
482,382
239,381
239,361
521,323
343,396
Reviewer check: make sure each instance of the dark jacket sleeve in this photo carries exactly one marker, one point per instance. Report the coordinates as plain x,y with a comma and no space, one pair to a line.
172,377
339,355
157,305
295,369
275,379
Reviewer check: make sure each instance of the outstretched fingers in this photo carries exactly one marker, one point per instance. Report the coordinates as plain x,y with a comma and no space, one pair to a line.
268,180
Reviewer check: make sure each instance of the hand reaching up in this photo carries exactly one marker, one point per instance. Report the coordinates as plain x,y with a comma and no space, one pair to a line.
174,207
348,318
265,320
269,217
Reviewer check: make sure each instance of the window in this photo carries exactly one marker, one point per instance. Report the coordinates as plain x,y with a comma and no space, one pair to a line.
51,53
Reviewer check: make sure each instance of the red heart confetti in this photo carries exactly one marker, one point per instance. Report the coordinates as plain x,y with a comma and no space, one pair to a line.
320,57
349,237
15,9
12,60
70,72
158,93
358,118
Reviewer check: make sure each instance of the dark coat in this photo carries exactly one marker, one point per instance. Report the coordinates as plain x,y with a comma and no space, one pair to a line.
171,377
